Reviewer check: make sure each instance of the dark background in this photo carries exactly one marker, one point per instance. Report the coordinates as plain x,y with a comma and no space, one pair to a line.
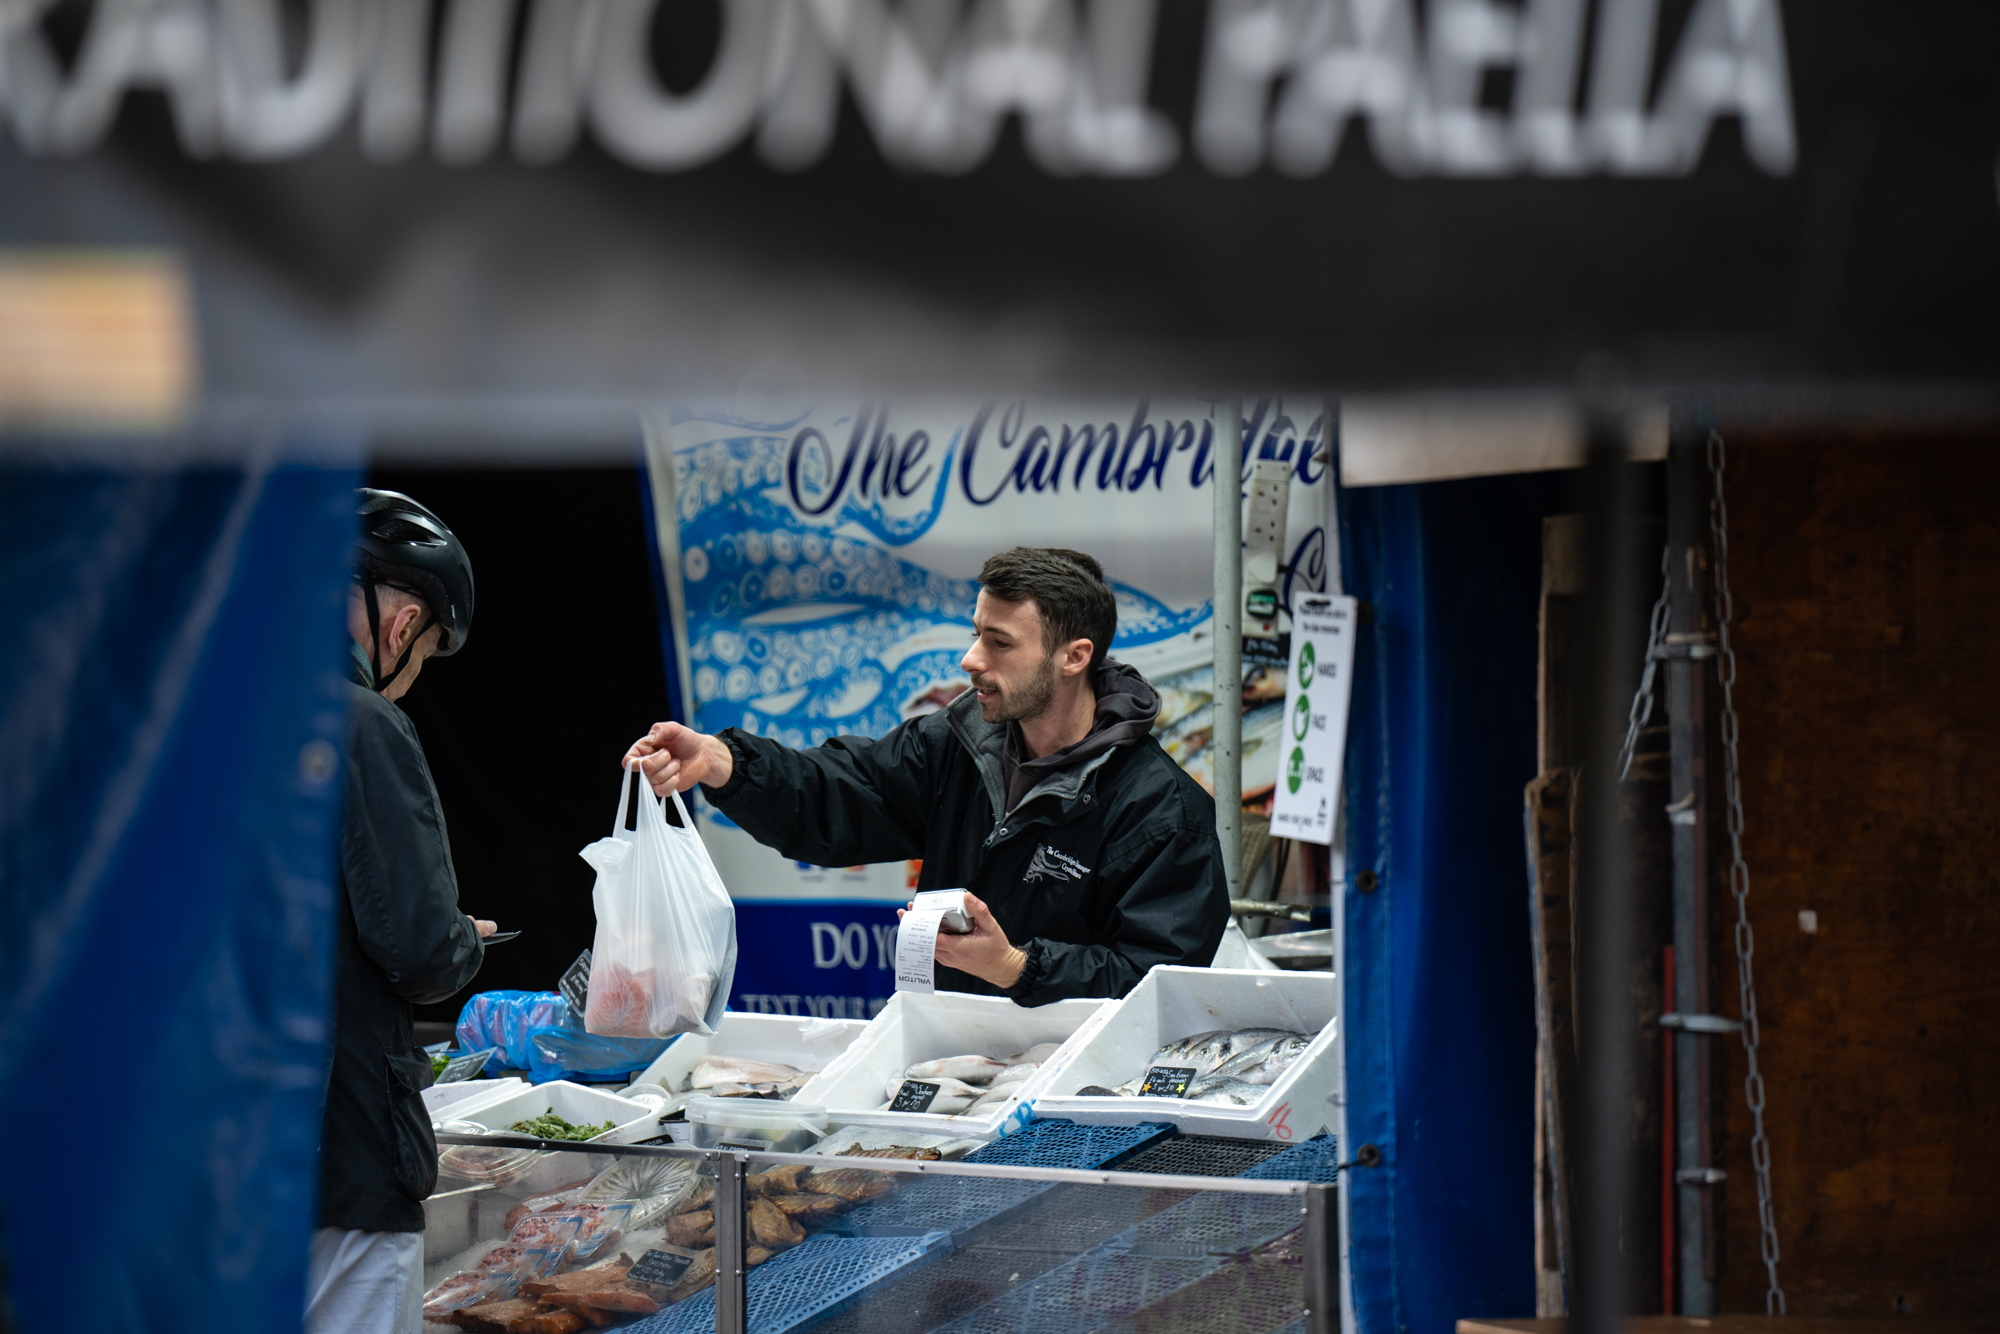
524,728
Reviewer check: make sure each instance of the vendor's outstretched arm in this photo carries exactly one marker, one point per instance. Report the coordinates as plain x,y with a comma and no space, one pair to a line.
849,801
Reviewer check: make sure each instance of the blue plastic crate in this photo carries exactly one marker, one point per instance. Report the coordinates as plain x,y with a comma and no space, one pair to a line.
962,1205
812,1280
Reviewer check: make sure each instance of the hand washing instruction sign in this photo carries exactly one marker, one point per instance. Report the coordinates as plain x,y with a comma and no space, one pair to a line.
1315,736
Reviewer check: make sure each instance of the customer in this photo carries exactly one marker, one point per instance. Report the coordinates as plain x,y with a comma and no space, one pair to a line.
1091,855
402,938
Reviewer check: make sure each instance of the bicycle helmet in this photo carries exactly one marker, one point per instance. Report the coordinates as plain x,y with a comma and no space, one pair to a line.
405,546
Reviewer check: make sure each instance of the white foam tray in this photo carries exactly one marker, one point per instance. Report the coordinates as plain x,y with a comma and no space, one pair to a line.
1171,1003
575,1103
922,1027
803,1043
448,1102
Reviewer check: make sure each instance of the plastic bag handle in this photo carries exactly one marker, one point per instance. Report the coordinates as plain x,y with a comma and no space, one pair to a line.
687,821
628,800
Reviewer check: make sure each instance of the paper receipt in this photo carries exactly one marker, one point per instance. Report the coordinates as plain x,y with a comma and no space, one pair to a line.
916,950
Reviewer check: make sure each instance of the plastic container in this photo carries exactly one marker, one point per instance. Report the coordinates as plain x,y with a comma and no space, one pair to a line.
575,1103
1173,1002
803,1043
446,1102
917,1027
755,1123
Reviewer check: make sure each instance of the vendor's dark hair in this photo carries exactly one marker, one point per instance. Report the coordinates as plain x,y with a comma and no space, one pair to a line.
1067,587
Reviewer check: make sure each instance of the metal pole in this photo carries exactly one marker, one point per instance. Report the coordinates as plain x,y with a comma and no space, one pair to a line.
731,1228
1604,1015
1322,1295
1690,645
1226,742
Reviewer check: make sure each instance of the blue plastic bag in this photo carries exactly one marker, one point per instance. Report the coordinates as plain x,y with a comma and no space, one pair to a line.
567,1053
504,1019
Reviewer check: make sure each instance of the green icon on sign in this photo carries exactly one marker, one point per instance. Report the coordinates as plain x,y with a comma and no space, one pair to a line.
1305,664
1295,769
1301,717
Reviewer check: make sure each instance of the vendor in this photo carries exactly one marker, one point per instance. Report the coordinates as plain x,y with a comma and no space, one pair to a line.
1090,855
402,939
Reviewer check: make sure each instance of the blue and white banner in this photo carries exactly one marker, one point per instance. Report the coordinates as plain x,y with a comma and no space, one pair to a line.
821,569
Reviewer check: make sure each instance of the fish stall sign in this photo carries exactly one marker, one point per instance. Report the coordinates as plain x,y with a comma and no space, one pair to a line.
1317,690
821,561
1282,82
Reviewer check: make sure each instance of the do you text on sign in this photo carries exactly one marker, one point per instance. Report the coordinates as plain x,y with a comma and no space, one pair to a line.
1315,727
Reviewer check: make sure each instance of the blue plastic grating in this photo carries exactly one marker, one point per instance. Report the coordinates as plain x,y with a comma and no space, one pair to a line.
1084,1293
1257,1293
1216,1222
812,1279
1067,1144
961,1204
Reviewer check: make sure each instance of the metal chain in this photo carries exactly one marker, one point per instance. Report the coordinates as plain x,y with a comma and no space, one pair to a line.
1739,877
1642,699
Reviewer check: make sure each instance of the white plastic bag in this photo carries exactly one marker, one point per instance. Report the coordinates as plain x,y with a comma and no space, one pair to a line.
665,952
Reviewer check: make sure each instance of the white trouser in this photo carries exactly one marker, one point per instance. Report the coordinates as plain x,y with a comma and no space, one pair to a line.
365,1282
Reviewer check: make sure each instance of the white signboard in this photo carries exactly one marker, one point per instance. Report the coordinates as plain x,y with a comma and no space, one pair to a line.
1315,736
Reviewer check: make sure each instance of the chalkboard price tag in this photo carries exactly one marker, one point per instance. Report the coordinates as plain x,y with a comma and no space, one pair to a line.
1167,1081
463,1067
914,1096
661,1267
575,986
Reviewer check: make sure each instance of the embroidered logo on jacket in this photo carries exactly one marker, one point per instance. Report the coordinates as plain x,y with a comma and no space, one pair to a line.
1048,864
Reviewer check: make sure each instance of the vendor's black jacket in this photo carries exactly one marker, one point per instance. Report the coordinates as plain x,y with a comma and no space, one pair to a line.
1100,872
402,941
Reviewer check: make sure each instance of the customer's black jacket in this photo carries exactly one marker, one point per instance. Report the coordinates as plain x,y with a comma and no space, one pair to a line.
1099,873
402,940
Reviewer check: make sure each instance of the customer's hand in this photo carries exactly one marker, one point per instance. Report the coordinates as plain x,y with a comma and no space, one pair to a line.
984,951
675,758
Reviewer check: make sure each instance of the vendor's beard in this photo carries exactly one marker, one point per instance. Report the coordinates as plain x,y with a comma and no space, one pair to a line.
1025,701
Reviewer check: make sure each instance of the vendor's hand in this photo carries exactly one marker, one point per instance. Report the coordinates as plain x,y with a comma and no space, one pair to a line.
484,927
675,758
984,951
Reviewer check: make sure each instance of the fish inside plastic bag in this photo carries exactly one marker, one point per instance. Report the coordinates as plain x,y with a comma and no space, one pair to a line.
665,950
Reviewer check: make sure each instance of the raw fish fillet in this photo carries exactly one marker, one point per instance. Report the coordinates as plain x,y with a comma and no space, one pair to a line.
849,1184
773,1227
605,1275
808,1208
1036,1054
495,1317
779,1180
969,1069
692,1230
548,1320
713,1070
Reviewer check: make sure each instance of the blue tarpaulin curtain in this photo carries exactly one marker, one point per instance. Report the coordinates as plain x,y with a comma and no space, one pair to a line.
1439,1002
172,722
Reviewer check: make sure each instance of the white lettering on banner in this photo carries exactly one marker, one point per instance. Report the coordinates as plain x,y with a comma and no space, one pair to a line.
885,944
835,946
1281,80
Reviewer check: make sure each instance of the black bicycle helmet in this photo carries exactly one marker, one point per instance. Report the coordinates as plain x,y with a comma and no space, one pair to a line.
404,545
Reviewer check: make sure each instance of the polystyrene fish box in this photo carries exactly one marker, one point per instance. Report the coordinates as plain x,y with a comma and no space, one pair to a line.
803,1043
574,1103
917,1027
447,1102
1172,1003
